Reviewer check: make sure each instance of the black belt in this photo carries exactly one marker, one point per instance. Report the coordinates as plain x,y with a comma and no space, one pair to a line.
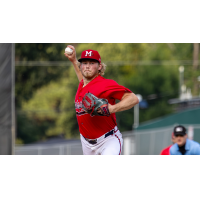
94,141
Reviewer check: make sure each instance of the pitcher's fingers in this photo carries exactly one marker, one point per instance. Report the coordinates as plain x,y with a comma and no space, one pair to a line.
99,111
66,55
71,47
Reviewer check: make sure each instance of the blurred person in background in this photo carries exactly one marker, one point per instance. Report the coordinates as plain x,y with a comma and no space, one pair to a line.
166,150
183,145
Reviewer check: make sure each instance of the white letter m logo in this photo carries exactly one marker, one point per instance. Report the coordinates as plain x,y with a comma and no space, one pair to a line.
88,53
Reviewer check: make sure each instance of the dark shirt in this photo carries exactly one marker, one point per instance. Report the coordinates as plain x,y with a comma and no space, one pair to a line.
182,149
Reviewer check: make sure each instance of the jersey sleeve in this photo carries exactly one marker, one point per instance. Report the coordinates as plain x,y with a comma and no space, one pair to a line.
114,90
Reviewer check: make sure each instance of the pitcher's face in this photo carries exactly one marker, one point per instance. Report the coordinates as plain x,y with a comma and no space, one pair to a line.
90,68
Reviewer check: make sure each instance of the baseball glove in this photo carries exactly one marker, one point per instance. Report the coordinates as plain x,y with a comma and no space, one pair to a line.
95,106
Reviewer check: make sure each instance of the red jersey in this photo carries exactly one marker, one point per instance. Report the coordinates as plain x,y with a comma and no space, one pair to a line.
165,151
96,126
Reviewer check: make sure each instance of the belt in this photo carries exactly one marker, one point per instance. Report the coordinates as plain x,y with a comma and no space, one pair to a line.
94,141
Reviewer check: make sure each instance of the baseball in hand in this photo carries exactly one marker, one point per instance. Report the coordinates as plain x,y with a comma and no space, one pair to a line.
68,51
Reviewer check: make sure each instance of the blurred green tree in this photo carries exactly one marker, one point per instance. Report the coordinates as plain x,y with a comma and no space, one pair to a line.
30,78
45,95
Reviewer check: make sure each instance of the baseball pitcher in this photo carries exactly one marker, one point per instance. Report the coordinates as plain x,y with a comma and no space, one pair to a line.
95,104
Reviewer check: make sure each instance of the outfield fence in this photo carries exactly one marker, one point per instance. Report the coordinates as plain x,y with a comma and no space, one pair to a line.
70,148
152,141
138,142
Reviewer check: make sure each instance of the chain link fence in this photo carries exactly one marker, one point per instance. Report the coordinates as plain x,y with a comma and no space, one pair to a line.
57,149
152,141
70,148
141,142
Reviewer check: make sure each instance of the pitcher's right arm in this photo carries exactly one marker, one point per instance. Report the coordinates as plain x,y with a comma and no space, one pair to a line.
73,59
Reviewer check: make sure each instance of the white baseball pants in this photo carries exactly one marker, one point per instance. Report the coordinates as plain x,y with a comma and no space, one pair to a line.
111,145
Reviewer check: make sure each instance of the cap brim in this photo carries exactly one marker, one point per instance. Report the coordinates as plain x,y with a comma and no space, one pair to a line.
179,133
81,59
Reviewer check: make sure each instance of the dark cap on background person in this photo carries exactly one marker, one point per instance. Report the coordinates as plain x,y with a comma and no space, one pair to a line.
179,130
90,55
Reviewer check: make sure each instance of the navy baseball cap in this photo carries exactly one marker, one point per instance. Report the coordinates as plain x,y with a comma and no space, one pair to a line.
179,130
